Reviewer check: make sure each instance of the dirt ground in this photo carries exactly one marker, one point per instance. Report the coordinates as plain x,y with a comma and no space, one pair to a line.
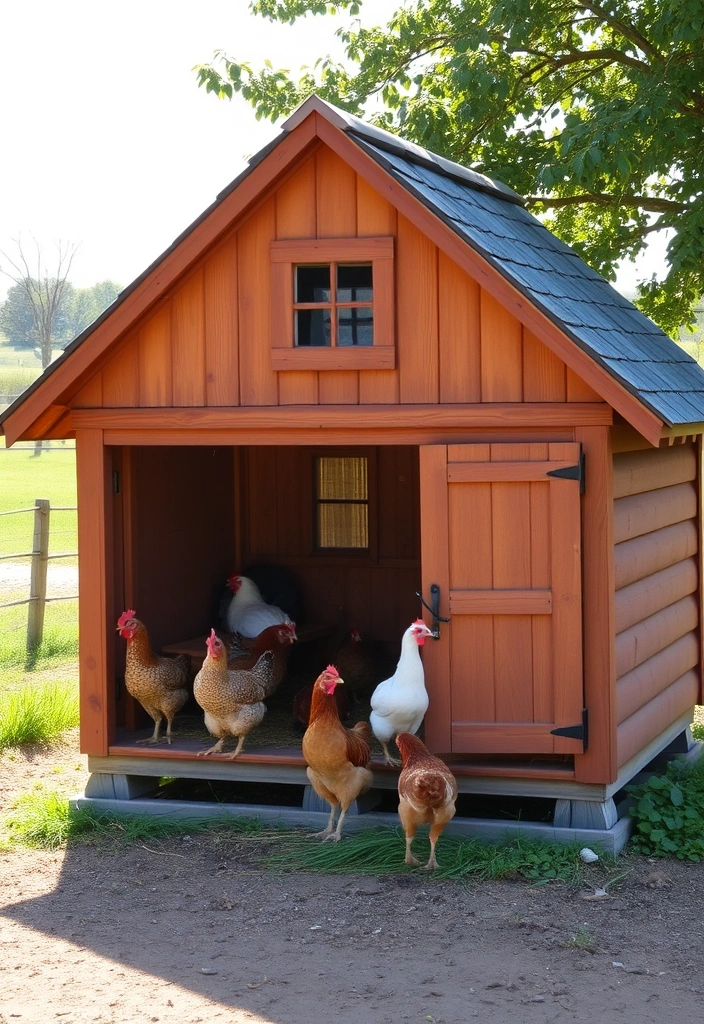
194,930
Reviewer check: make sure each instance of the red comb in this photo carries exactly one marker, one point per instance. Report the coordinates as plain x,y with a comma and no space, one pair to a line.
419,622
125,617
332,671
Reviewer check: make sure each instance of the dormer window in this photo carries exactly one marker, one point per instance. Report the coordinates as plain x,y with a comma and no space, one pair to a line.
332,304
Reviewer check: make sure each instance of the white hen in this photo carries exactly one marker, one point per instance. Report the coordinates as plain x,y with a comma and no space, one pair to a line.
399,703
248,613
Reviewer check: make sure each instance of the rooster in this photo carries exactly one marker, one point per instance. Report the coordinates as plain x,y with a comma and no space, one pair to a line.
400,702
337,758
248,613
277,639
159,684
232,700
427,792
355,663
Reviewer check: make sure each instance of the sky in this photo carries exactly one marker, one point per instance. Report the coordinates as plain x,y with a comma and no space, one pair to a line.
108,142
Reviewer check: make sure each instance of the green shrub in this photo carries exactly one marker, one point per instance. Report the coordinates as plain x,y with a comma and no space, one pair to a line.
669,813
35,714
698,730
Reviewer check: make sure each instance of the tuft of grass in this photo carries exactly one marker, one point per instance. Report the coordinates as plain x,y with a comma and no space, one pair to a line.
42,819
46,820
36,714
381,851
582,939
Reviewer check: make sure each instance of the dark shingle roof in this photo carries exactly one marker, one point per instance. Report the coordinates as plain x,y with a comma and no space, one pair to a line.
554,278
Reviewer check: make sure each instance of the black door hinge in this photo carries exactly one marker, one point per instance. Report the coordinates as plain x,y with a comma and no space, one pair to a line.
571,473
575,732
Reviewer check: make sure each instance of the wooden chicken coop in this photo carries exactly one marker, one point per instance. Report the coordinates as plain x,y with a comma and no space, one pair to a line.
509,436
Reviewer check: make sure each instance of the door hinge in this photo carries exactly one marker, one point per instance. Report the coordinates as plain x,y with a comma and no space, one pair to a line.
575,732
571,473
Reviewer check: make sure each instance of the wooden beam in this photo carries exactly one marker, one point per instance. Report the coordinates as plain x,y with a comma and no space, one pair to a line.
643,556
635,472
644,513
644,639
491,279
500,602
502,472
94,517
637,731
643,598
645,682
598,763
317,417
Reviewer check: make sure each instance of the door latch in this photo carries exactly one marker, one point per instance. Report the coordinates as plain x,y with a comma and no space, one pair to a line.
433,608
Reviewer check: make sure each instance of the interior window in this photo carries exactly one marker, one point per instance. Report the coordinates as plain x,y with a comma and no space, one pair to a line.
333,316
342,502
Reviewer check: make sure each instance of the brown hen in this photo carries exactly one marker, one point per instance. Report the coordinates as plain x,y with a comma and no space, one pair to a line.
427,792
159,684
277,639
356,663
337,757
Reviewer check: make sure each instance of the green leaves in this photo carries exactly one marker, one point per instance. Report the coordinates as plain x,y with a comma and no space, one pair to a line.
600,122
669,813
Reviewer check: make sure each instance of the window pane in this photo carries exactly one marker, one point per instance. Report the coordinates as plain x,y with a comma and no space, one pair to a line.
343,478
312,327
342,526
354,282
355,326
313,284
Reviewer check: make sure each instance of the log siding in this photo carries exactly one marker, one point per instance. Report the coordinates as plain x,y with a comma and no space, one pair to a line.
656,573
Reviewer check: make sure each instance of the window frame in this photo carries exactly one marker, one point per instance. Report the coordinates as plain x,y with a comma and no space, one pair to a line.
285,256
366,555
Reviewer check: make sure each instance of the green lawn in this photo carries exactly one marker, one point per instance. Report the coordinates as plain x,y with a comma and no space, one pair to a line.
23,478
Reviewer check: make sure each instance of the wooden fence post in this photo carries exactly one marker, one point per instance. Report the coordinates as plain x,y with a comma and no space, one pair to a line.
37,590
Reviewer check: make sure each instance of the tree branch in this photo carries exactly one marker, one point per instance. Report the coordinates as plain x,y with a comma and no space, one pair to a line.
651,204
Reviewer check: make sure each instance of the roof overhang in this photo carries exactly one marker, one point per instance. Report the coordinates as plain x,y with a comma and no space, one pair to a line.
42,408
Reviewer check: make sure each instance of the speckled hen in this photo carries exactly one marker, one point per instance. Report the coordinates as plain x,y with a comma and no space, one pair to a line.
233,701
159,684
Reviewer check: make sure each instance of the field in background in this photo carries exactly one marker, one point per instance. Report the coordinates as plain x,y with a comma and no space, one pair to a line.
23,478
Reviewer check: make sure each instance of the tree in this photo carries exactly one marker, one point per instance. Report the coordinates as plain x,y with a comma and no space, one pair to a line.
16,320
44,293
80,307
592,111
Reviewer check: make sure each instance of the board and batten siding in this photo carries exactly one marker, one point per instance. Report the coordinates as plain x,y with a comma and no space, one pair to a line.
657,581
207,342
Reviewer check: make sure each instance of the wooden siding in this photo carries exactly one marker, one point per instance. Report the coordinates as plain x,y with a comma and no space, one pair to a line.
657,647
373,590
207,341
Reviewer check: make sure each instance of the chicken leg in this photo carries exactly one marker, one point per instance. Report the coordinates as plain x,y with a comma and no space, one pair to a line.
154,738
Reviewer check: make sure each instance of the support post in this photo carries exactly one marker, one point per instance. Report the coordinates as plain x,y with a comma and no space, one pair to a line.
37,587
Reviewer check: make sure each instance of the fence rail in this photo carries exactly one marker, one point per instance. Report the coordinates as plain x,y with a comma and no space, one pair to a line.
37,600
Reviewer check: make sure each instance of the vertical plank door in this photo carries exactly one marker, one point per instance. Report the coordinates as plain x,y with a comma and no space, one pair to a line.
501,538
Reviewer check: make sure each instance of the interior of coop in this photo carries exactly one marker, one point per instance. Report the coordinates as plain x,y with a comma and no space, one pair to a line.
187,518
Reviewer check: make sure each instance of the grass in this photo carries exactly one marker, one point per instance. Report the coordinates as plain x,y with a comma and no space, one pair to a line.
14,379
23,478
35,714
45,819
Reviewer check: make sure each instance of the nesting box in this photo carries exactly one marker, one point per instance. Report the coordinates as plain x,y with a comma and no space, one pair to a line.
373,366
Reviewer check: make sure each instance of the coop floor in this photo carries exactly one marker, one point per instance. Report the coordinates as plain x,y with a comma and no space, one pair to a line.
278,741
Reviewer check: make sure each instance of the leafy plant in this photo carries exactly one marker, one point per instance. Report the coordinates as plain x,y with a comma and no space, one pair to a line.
669,813
698,730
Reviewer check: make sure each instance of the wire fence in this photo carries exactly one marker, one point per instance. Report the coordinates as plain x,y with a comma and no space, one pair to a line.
38,571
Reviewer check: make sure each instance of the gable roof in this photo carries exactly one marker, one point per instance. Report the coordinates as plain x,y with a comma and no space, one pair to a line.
487,216
491,218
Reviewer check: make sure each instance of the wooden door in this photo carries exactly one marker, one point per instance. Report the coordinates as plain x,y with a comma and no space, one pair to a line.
501,539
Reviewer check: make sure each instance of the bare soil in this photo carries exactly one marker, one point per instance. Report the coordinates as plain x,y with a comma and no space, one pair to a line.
194,930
